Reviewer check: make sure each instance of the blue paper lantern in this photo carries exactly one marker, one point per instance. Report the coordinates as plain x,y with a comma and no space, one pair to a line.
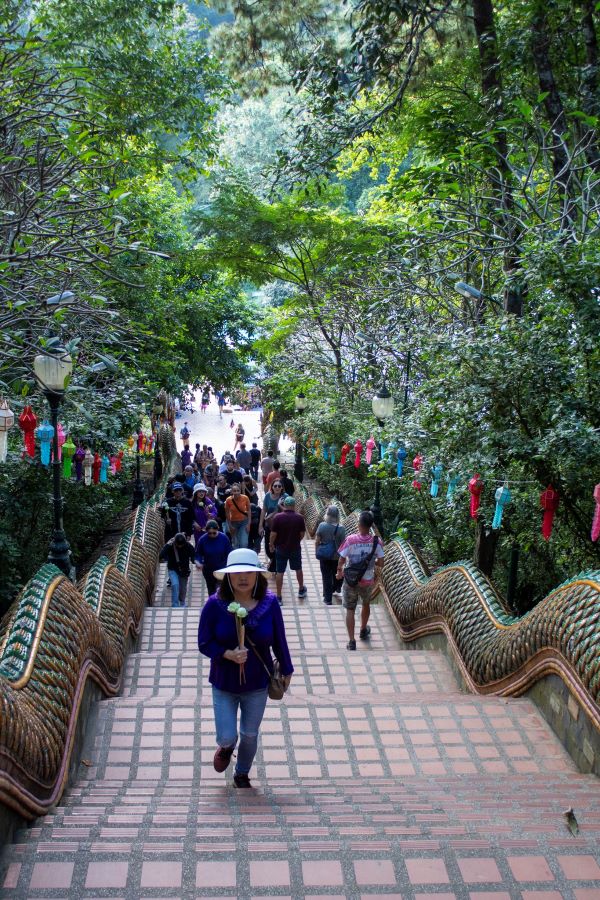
104,465
45,434
452,485
436,474
503,498
400,456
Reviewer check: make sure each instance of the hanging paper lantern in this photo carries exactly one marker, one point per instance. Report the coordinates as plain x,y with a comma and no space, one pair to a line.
596,520
452,485
113,464
549,502
436,474
317,447
104,469
45,433
27,424
332,452
7,420
345,451
120,456
417,462
370,447
79,461
475,489
503,498
130,443
61,439
400,457
149,444
68,452
88,462
96,466
140,441
390,451
325,452
358,448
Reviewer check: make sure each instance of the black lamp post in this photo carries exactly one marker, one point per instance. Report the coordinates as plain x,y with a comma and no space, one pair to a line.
383,408
138,487
300,404
52,371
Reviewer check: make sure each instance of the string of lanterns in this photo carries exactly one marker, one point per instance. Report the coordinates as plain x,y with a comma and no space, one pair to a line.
91,468
549,498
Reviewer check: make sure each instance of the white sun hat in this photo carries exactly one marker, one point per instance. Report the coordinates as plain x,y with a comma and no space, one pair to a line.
240,561
199,487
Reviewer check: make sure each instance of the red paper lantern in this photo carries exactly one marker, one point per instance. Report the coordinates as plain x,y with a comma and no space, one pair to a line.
549,502
345,451
120,456
97,465
358,448
475,490
28,424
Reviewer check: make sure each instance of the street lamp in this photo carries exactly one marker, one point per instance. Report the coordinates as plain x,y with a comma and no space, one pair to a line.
383,408
300,404
52,370
138,487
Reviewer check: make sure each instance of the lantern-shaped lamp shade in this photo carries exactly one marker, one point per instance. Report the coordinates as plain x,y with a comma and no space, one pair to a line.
53,370
300,402
7,420
383,404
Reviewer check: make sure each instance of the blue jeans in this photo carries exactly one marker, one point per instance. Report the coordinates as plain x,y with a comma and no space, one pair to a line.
252,708
178,588
238,534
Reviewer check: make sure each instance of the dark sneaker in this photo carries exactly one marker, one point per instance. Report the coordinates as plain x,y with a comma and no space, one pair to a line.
302,593
327,602
222,758
351,645
365,633
241,781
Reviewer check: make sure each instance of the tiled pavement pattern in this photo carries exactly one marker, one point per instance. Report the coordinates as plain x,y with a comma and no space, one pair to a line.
375,777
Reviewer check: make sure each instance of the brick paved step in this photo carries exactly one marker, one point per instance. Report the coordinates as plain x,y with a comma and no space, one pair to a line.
400,672
363,736
306,838
311,626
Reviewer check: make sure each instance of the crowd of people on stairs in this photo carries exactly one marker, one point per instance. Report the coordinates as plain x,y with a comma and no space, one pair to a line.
215,522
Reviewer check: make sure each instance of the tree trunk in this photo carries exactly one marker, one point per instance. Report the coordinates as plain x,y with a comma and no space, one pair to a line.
590,98
491,87
485,546
540,49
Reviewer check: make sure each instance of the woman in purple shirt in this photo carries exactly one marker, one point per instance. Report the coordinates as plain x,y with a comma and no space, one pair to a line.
237,675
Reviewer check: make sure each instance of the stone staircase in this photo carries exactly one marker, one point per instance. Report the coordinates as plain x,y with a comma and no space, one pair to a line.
375,777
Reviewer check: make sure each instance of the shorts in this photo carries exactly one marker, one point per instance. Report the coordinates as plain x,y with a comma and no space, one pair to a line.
282,558
352,593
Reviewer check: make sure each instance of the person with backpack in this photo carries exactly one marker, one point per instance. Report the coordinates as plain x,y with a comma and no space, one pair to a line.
184,434
255,456
329,537
360,555
178,553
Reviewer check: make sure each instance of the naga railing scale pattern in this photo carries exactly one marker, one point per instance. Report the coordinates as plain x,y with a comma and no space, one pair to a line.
55,638
496,652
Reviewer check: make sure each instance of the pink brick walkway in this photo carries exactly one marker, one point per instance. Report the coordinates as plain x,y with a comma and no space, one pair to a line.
375,777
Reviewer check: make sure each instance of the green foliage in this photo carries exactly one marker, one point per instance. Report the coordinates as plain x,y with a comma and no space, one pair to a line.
26,518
